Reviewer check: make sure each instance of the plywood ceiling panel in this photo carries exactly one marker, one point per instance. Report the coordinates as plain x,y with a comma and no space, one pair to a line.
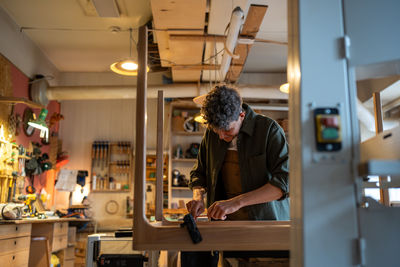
179,17
179,14
186,75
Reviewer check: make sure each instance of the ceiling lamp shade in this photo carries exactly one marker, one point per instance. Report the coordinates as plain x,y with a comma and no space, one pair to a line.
199,118
284,88
41,124
127,66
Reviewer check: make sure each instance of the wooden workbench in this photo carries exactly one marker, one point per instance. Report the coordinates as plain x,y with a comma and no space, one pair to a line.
31,241
49,220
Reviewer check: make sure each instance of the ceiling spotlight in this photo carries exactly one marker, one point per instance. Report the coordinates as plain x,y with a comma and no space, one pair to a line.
127,66
284,88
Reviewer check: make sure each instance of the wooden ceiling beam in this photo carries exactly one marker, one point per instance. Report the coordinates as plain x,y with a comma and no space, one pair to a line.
201,38
218,38
197,67
250,29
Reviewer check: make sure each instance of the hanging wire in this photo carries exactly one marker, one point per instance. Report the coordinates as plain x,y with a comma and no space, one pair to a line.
130,42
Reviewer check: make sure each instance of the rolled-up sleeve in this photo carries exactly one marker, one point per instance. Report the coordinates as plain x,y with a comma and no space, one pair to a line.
278,159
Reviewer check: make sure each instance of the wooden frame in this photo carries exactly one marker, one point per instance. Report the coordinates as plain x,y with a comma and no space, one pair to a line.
384,193
217,235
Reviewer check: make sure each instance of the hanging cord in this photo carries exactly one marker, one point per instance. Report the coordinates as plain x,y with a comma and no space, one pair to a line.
130,42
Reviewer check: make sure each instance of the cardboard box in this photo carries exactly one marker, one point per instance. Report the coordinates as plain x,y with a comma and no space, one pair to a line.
177,124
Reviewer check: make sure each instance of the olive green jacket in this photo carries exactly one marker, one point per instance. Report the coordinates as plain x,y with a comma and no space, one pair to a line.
263,158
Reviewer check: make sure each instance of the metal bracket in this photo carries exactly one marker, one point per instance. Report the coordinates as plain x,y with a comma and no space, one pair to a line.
361,245
345,47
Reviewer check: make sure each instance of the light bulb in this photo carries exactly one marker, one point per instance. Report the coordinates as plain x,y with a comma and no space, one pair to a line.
129,65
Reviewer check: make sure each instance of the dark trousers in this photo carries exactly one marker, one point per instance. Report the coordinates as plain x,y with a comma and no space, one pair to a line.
199,258
210,259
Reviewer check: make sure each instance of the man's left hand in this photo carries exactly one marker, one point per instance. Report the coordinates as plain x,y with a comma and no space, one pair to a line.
219,209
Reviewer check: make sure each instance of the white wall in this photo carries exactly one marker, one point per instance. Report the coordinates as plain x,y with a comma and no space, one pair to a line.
18,48
112,120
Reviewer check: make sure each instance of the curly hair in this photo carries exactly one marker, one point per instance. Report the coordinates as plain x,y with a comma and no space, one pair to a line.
221,107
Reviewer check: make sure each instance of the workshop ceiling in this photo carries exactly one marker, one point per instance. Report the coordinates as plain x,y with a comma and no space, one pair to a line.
75,38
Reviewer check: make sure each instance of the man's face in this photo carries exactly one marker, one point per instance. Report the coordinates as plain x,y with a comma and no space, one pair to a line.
232,131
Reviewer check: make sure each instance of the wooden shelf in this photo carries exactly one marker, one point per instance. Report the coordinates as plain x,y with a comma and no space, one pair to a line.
154,168
20,100
180,188
23,157
154,179
184,160
188,133
120,163
110,190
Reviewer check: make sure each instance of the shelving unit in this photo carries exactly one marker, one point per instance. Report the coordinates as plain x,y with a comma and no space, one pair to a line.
112,166
151,182
279,113
181,159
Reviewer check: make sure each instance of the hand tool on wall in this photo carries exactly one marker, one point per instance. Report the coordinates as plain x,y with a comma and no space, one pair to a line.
106,153
101,147
93,153
97,153
101,155
21,160
11,187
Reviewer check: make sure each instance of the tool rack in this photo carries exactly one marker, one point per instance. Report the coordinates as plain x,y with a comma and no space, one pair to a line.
111,166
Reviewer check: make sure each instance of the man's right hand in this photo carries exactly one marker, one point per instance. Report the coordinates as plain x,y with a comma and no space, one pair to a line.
195,207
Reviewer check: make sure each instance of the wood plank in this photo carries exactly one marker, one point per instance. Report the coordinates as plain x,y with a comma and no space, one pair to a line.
250,28
185,75
179,14
186,52
39,254
200,38
234,73
197,67
253,21
222,235
159,155
140,147
21,100
177,51
384,193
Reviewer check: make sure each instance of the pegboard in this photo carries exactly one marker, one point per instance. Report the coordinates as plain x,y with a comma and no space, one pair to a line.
6,89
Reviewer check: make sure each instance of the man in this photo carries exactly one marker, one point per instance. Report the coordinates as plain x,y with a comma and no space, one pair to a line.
242,163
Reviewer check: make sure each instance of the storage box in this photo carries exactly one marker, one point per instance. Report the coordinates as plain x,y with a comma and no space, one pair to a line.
177,123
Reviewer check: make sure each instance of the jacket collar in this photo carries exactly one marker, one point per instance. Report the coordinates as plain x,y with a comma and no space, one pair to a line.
249,120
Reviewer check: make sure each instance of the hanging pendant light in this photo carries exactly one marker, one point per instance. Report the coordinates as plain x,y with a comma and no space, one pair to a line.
127,66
